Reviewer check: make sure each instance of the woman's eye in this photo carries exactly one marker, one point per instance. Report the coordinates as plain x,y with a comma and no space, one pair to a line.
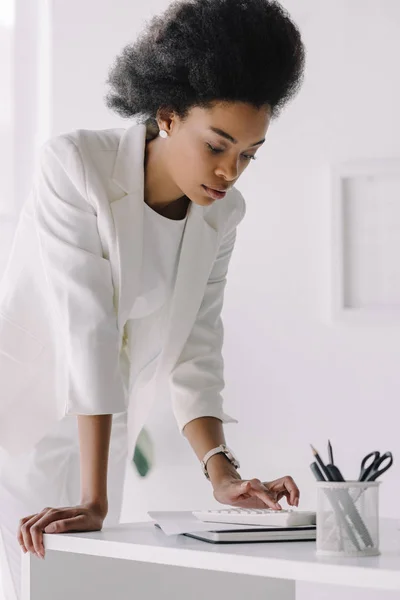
215,150
218,150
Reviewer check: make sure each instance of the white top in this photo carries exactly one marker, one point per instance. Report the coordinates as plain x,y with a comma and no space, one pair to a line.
162,238
285,560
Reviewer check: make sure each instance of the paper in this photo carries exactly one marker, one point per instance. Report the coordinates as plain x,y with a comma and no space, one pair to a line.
177,522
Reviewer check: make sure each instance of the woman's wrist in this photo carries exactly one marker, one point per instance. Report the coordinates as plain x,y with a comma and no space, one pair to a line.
205,434
100,505
220,468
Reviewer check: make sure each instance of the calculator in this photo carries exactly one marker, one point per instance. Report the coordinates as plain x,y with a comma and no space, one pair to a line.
266,517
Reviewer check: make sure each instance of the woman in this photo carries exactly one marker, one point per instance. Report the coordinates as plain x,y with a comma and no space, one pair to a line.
130,233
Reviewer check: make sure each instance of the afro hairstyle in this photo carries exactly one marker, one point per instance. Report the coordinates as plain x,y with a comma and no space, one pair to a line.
198,52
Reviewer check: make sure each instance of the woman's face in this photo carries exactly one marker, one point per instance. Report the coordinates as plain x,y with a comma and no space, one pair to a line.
197,155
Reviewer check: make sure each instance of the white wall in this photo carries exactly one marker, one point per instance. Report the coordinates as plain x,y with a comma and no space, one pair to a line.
293,376
7,222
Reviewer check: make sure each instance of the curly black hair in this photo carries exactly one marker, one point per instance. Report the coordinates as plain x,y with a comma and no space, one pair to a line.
199,52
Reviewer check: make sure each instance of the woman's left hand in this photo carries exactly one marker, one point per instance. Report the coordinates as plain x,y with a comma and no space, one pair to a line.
253,493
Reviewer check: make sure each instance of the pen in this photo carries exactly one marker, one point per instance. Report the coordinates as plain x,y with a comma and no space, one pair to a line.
330,452
325,471
335,473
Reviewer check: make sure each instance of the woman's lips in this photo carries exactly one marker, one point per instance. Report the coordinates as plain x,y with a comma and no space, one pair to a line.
214,194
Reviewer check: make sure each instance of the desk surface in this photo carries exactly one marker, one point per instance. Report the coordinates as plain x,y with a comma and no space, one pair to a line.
284,560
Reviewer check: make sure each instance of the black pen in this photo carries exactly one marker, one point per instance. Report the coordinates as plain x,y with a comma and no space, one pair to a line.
332,468
328,476
330,453
335,473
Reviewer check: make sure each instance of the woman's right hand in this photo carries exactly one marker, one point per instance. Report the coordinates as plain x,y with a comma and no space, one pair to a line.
84,517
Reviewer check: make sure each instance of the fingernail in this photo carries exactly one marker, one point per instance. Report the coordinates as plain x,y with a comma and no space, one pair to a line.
297,501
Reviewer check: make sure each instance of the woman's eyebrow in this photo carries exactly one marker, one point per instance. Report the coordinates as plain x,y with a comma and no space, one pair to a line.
230,138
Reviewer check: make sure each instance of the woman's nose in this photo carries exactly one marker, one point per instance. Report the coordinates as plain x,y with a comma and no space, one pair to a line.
228,170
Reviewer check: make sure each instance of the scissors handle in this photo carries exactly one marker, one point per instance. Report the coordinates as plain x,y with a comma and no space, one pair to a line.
375,469
366,469
378,469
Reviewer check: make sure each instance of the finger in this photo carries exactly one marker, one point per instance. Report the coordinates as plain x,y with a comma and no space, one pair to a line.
20,537
285,486
43,523
78,523
283,494
258,489
26,532
294,492
36,532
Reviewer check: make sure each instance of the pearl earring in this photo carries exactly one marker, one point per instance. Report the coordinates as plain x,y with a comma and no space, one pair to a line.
163,133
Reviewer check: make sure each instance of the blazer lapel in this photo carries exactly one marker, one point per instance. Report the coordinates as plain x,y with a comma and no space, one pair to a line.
198,249
128,218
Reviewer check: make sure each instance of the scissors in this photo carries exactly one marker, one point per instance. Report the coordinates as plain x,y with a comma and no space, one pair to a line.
375,469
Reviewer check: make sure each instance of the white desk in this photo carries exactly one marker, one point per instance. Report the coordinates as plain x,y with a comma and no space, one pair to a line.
139,561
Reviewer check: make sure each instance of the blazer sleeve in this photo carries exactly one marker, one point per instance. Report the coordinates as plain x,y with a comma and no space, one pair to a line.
79,284
197,380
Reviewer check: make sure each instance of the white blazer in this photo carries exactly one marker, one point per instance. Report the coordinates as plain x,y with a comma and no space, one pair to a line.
71,280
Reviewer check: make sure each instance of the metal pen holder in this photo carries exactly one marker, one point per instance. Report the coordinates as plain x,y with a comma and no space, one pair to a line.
348,518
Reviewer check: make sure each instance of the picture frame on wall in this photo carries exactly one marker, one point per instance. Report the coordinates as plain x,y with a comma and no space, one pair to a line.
365,220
